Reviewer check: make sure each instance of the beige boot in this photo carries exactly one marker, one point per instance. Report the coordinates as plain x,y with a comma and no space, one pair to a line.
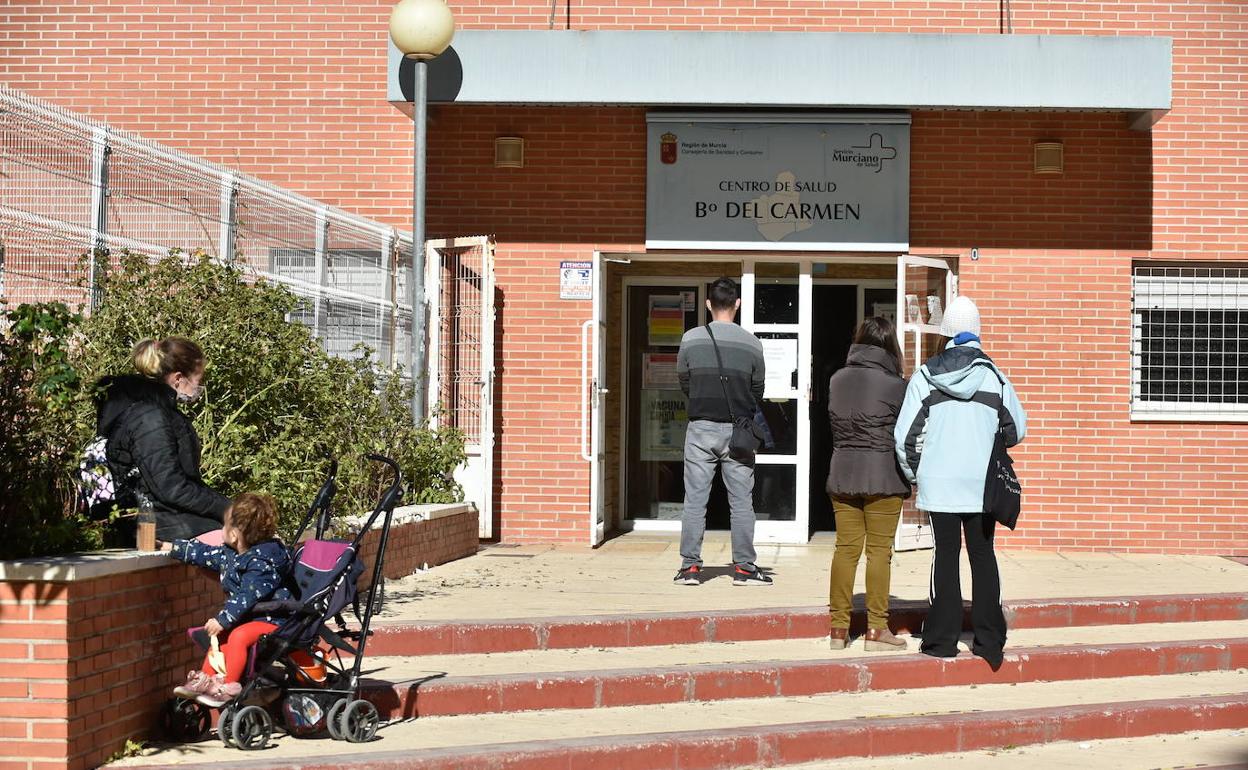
839,639
881,640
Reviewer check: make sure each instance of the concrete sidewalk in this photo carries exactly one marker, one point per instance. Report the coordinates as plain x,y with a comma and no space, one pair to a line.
633,573
1215,750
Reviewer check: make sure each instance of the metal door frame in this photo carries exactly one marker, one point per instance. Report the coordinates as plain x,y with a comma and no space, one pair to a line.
482,448
918,534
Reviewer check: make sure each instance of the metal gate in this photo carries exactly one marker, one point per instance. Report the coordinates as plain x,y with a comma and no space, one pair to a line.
460,281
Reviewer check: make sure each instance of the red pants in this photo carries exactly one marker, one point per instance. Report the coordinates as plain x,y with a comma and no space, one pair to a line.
235,644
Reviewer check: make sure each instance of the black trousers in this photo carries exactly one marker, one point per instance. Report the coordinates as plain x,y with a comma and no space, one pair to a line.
944,619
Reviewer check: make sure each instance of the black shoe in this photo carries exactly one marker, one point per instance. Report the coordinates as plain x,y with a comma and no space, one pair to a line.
994,657
745,577
936,652
689,576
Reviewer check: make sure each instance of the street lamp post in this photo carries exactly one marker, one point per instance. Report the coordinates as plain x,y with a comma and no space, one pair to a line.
421,29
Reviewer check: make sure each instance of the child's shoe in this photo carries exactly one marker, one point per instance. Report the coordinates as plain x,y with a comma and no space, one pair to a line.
219,692
197,683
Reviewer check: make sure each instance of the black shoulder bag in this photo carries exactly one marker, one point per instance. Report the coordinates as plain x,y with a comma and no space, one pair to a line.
745,432
1003,493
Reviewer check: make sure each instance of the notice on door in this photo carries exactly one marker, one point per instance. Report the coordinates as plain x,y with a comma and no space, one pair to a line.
664,419
666,320
658,371
780,358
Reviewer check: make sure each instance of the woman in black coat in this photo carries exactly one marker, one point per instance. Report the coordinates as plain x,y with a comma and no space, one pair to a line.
153,450
866,485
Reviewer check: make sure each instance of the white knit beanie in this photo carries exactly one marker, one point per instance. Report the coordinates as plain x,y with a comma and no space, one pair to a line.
961,316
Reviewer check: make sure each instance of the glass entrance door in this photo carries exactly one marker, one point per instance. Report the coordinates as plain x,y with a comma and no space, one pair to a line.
657,312
776,306
805,325
925,286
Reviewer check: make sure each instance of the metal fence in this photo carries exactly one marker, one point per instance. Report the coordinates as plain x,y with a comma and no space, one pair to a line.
70,186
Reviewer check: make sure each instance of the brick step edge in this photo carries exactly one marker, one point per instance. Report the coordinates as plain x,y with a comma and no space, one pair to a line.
712,682
791,744
649,629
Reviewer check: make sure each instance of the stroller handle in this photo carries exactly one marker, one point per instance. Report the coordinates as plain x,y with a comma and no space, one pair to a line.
326,492
319,510
391,498
384,460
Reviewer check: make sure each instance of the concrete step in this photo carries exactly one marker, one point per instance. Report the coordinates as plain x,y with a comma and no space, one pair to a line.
1206,749
764,650
666,628
595,679
769,732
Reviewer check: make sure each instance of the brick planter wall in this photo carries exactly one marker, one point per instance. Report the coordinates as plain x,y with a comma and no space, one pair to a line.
88,655
91,644
423,536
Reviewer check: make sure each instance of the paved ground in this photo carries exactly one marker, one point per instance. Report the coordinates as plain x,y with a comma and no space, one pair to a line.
1213,749
633,574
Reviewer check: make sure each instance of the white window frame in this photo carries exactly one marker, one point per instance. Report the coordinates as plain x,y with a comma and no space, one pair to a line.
1186,287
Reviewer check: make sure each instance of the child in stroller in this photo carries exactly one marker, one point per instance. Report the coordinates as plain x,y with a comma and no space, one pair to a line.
254,566
286,655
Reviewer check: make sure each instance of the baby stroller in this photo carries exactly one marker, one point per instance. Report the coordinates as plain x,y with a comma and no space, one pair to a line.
308,698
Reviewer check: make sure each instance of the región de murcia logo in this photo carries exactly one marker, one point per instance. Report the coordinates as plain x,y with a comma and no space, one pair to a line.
667,148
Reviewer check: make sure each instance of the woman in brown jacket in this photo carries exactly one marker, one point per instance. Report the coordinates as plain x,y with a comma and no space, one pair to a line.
865,483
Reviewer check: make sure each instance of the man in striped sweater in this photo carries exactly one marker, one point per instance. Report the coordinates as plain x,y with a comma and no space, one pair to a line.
713,400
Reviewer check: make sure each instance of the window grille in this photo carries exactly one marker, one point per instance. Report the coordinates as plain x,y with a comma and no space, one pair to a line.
1190,343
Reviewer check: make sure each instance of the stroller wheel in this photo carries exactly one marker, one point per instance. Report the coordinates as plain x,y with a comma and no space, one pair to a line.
359,721
251,728
225,725
332,720
185,720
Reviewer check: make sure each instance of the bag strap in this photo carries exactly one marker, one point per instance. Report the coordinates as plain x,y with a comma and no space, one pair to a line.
722,379
1000,407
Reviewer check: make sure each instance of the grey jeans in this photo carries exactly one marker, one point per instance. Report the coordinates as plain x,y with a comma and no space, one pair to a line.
706,445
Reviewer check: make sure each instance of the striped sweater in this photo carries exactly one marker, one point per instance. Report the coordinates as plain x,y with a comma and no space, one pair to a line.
697,369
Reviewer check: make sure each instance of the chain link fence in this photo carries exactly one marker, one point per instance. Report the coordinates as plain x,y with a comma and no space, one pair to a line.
71,187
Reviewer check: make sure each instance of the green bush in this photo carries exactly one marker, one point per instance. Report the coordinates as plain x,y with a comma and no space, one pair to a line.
276,405
39,395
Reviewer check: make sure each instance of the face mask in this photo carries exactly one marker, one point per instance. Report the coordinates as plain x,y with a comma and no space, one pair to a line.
192,397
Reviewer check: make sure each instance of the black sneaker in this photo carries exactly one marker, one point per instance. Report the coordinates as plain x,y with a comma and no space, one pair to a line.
744,577
689,576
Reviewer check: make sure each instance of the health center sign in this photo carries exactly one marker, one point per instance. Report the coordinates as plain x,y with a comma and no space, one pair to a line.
800,183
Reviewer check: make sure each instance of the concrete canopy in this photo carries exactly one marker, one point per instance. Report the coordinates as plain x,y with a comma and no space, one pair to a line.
798,70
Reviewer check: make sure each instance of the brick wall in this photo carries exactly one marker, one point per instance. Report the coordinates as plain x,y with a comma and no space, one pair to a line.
294,94
1057,325
420,544
86,662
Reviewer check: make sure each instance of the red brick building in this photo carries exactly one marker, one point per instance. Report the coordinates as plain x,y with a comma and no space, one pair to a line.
1134,377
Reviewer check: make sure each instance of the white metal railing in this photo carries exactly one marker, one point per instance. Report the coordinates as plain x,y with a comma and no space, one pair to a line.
70,186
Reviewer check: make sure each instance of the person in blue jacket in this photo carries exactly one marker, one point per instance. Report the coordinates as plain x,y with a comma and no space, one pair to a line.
254,566
944,437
